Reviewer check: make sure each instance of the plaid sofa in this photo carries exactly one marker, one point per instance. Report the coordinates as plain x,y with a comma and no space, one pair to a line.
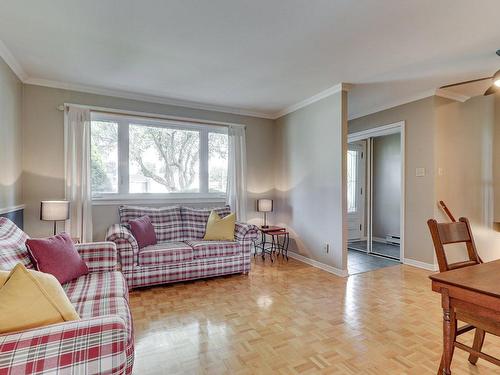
180,254
101,342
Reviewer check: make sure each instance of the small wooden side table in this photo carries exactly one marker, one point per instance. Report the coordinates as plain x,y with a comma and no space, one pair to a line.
269,247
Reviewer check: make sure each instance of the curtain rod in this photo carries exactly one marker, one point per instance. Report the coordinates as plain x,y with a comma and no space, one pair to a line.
159,116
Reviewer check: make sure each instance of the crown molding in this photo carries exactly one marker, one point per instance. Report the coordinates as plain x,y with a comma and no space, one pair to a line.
451,95
143,97
18,70
383,107
16,67
12,62
321,95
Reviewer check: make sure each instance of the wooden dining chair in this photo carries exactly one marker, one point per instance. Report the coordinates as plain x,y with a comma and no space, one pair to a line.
454,233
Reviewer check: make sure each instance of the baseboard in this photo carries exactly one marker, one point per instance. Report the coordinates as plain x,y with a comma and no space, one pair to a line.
425,266
315,263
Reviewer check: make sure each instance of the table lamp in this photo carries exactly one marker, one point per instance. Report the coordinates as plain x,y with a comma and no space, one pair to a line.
265,205
54,211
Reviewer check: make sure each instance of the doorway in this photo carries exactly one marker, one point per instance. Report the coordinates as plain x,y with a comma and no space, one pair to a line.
375,198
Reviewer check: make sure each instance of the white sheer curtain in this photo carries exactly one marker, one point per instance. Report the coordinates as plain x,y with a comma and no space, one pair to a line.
77,165
237,172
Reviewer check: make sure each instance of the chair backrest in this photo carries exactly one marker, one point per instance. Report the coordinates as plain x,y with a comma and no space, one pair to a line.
453,233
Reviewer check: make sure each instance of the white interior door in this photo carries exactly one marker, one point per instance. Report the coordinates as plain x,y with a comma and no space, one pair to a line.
356,167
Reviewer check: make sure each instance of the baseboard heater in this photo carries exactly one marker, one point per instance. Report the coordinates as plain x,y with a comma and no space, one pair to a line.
394,239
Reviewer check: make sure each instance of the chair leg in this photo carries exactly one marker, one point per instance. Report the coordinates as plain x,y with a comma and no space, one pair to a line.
477,345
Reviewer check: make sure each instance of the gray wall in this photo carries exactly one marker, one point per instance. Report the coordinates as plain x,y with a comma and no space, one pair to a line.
419,143
11,156
386,185
43,175
311,147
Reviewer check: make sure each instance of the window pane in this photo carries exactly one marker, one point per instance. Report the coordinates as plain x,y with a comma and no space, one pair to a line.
217,162
104,157
163,160
352,170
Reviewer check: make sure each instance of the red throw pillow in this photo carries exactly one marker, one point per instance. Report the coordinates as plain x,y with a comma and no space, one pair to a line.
58,256
143,231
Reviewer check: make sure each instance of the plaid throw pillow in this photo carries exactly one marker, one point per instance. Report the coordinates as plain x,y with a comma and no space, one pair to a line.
12,246
166,220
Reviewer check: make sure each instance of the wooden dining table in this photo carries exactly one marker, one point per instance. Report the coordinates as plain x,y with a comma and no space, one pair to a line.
473,292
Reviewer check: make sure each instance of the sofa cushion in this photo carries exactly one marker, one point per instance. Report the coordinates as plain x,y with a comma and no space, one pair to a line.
96,285
220,229
166,220
58,256
195,220
106,306
143,231
12,246
31,299
210,249
165,253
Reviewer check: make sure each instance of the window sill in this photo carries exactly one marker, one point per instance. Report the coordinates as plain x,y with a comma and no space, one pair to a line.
113,201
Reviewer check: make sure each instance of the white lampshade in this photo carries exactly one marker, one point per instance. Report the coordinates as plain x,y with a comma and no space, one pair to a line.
264,205
54,210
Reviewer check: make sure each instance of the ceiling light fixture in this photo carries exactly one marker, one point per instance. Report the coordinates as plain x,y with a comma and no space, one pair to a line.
495,79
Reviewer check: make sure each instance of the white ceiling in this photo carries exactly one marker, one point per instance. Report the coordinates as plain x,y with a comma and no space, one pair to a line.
258,56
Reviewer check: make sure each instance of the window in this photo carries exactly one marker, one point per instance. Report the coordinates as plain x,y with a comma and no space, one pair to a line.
352,171
136,157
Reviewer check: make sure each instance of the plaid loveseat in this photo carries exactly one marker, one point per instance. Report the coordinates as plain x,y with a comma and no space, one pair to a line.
180,254
101,342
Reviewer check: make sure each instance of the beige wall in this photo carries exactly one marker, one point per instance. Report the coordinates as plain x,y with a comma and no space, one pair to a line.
419,149
455,143
496,163
464,161
306,147
10,138
43,165
311,146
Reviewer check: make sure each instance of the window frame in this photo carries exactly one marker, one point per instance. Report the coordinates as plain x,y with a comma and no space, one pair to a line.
123,122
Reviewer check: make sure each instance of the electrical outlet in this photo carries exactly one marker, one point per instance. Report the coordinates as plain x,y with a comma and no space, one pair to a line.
326,248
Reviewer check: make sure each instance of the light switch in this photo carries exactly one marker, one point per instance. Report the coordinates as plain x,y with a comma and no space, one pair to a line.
419,172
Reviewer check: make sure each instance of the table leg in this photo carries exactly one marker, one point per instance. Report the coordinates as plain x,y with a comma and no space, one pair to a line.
449,333
272,249
263,250
287,238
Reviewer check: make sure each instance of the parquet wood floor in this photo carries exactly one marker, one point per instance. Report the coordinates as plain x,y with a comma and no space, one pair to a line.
290,318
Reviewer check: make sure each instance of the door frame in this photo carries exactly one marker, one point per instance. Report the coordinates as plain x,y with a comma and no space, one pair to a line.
393,128
362,172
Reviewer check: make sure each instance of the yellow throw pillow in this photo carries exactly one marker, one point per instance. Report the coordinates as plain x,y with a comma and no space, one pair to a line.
30,299
220,229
